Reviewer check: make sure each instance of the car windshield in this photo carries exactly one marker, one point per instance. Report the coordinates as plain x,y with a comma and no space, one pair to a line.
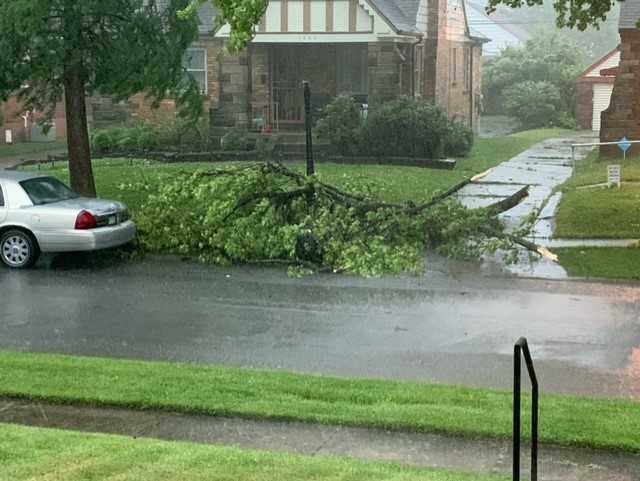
46,190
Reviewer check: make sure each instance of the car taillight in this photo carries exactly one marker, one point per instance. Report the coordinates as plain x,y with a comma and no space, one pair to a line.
86,220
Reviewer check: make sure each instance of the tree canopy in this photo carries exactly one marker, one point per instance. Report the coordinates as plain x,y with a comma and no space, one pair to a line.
536,82
241,15
66,49
579,14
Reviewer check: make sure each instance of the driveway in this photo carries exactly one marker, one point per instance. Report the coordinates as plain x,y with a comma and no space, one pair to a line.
445,327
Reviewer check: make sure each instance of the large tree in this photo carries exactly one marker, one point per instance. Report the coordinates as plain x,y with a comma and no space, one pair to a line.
55,49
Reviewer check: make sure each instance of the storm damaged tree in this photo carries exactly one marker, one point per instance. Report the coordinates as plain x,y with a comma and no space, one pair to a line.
67,49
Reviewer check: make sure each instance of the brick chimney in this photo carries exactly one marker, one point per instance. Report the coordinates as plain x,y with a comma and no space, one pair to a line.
622,118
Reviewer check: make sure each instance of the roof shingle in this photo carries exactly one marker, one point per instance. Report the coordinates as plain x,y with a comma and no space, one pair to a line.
629,14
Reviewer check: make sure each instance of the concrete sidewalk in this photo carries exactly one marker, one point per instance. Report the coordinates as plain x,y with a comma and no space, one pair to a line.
491,456
543,167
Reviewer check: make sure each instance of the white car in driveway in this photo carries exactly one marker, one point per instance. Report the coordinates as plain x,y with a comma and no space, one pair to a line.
39,213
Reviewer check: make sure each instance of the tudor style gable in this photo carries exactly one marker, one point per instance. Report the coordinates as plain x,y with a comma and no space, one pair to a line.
315,21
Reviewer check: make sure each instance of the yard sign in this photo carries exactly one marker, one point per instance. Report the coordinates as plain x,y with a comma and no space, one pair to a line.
614,175
624,145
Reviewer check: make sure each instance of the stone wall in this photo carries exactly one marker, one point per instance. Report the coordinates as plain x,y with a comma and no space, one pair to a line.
139,107
622,118
235,88
389,71
260,106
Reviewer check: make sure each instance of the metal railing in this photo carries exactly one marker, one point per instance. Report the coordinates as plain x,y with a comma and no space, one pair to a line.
522,348
598,144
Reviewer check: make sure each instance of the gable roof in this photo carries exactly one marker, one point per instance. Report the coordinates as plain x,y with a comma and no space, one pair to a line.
603,67
501,30
206,14
401,14
629,14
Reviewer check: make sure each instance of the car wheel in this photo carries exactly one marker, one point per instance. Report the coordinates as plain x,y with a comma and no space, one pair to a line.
18,249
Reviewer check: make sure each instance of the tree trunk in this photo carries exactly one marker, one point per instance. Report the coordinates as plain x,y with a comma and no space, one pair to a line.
80,171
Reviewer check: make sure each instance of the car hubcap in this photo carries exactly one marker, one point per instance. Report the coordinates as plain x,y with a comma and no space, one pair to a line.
15,251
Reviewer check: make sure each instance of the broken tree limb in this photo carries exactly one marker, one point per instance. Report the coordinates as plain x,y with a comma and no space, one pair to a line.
530,246
510,202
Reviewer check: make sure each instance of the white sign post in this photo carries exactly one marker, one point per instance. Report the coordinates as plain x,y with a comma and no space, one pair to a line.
8,136
614,175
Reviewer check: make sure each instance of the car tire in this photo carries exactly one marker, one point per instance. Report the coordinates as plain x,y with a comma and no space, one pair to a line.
18,249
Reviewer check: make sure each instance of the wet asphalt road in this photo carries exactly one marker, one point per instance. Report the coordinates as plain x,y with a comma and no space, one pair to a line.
449,327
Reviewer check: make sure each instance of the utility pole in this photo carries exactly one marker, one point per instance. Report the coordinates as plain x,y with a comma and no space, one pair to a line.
307,123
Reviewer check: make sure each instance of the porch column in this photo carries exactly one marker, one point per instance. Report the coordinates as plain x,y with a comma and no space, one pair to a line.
260,84
234,89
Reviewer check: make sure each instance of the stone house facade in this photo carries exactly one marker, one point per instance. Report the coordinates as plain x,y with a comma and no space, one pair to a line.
622,118
373,50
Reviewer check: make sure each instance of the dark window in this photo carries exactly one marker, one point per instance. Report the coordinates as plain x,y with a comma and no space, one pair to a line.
454,66
46,190
194,63
352,70
1,197
467,68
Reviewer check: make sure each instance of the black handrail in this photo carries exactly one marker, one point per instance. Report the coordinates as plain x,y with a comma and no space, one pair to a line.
521,347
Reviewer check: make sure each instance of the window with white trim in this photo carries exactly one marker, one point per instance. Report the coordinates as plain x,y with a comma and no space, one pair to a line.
195,65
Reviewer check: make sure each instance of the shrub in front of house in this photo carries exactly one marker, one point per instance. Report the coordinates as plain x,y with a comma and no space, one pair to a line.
147,136
341,126
404,127
234,140
459,140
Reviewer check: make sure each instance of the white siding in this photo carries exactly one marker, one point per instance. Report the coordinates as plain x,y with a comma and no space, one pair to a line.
318,16
364,21
422,17
601,100
611,62
296,16
341,16
273,16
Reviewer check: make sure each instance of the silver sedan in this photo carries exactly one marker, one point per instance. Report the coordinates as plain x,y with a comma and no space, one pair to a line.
41,214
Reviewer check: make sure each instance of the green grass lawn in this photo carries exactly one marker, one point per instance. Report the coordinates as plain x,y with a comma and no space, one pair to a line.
27,148
398,184
600,213
277,395
601,262
34,453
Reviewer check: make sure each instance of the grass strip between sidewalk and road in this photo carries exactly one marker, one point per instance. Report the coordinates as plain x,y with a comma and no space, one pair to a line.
621,263
600,212
276,395
36,453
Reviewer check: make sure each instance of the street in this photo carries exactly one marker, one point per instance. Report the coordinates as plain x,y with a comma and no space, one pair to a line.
452,325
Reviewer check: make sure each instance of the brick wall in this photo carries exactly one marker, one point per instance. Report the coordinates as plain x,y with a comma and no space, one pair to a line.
622,118
584,104
12,119
448,54
139,107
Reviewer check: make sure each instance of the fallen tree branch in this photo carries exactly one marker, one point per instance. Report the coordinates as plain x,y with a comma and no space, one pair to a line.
510,202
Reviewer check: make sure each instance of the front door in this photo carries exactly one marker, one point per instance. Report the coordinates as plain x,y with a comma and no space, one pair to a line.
291,65
287,83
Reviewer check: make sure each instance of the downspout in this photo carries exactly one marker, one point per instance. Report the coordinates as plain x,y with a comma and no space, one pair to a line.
413,66
471,89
